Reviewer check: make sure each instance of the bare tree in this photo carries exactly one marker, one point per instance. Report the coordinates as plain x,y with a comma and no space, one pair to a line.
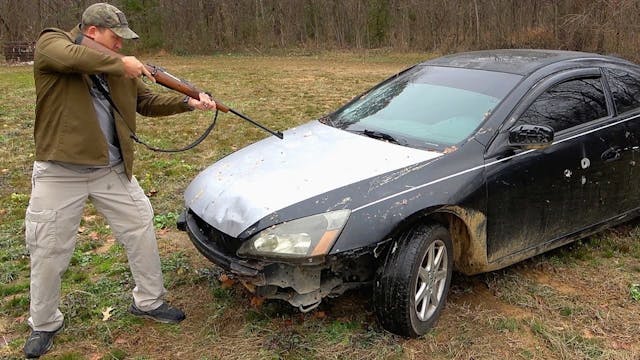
204,26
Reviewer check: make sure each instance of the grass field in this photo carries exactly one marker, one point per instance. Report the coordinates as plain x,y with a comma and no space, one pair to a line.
578,302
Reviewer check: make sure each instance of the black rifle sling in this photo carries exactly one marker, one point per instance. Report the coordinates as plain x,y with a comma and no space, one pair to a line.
133,135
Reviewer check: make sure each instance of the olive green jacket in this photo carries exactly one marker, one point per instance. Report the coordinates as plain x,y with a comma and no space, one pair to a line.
66,126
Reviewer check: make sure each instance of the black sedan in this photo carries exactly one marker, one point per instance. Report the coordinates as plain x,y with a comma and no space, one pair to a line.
468,162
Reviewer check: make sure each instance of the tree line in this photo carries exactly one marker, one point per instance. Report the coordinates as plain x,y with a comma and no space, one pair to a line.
206,26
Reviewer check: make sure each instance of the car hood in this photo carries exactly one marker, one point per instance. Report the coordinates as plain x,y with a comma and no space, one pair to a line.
262,178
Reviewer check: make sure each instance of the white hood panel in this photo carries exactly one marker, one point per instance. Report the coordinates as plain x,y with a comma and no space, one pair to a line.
244,187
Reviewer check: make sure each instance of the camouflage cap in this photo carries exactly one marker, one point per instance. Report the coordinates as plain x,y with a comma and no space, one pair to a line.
108,16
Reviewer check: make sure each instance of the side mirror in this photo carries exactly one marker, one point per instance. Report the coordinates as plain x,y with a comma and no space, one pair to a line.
531,136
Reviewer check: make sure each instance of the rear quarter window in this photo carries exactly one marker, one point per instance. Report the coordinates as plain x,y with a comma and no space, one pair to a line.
625,89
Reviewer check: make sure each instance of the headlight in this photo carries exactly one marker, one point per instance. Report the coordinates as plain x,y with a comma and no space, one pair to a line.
306,238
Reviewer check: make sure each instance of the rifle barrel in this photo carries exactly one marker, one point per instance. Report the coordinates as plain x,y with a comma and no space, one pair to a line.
277,134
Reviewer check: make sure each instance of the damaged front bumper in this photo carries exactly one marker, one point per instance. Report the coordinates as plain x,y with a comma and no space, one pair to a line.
303,286
215,246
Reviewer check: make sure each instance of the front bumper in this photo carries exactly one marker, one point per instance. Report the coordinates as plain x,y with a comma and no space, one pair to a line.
302,286
219,248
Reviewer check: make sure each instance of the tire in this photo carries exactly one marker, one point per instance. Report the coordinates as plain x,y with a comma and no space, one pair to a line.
419,264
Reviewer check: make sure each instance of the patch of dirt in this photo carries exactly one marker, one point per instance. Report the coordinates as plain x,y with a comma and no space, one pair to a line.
4,329
560,286
479,297
104,248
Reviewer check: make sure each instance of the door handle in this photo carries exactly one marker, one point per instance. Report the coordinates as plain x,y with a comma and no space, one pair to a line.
612,154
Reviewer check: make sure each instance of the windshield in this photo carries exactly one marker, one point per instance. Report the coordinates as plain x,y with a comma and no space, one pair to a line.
426,106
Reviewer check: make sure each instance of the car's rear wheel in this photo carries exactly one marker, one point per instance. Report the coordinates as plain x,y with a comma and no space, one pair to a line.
411,287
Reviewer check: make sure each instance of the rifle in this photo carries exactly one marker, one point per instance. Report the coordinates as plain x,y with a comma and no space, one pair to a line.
173,82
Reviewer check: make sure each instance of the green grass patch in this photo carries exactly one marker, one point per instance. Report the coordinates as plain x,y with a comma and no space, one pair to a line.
566,311
12,289
507,325
115,354
177,270
167,220
88,244
341,331
16,305
110,265
634,291
11,271
567,343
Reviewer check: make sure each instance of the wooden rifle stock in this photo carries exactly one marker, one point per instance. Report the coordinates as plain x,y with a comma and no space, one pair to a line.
162,77
169,81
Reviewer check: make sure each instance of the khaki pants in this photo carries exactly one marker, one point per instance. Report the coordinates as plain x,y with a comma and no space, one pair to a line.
52,219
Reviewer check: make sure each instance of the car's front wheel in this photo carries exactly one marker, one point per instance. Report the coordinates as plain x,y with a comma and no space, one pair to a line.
411,287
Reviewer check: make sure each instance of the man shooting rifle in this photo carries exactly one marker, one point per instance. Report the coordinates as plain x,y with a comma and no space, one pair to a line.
86,104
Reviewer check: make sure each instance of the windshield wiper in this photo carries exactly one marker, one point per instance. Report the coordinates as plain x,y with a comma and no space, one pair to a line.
381,136
327,121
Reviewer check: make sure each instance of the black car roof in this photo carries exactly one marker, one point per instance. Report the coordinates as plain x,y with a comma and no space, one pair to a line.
515,61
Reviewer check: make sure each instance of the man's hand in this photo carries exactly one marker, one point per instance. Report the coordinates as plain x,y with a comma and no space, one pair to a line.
133,68
205,102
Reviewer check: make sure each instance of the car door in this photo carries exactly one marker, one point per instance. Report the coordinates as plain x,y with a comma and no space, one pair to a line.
625,93
538,196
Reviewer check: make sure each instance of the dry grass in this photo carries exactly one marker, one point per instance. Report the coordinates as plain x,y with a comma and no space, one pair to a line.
572,303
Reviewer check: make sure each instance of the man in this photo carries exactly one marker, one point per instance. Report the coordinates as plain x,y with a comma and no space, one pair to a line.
85,112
